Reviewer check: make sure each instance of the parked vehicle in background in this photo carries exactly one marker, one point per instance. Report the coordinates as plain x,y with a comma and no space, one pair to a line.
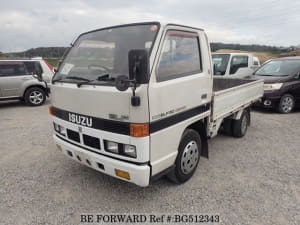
282,83
25,79
137,107
234,65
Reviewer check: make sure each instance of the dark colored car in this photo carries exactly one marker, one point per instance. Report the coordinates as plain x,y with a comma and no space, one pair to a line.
282,83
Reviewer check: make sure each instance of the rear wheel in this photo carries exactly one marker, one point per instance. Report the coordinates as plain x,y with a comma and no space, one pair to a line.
240,126
35,96
187,160
227,127
286,104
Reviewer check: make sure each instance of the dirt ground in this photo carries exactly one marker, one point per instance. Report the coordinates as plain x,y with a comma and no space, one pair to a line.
252,180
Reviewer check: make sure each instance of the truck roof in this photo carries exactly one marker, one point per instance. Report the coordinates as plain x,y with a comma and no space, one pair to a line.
163,24
180,25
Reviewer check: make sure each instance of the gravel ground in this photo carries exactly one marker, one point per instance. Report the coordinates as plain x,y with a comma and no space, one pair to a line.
253,180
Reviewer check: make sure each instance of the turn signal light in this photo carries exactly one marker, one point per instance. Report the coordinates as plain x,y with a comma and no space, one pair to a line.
139,129
123,174
51,110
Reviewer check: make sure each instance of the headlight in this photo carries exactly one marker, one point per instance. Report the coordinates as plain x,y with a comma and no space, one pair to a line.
269,87
130,150
59,129
112,146
120,149
62,131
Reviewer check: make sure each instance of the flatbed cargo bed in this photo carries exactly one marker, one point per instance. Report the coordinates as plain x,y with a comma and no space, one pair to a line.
230,95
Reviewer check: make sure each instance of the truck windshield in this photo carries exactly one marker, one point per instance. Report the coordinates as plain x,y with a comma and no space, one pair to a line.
279,68
105,52
220,62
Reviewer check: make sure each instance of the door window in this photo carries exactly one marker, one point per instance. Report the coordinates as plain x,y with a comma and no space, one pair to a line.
180,56
220,62
12,69
33,67
238,62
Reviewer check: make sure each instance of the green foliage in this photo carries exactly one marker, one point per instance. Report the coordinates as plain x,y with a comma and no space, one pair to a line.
53,61
55,53
250,48
45,52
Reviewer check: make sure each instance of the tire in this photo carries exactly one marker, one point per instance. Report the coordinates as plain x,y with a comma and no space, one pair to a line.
240,126
35,96
286,104
188,156
227,127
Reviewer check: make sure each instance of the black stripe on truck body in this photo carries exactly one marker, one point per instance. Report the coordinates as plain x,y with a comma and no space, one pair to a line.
98,123
124,127
177,118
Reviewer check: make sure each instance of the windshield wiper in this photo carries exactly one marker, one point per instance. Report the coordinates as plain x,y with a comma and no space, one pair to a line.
70,77
103,77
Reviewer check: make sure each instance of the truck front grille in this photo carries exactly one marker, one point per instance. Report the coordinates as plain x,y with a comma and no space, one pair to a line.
91,141
73,135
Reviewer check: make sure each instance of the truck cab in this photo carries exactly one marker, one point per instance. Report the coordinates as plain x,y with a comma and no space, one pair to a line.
234,65
135,101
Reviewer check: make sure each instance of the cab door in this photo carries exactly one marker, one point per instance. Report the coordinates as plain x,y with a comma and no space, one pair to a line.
239,66
12,76
180,88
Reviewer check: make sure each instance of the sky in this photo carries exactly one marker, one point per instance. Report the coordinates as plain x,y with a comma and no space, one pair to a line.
36,23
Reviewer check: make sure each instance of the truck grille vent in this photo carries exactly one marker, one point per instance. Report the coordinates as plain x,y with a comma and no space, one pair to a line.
91,141
73,135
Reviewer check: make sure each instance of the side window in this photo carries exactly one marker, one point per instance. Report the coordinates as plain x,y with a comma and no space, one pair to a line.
33,66
12,69
180,56
238,62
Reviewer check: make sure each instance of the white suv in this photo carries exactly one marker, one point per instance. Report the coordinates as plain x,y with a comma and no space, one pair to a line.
25,79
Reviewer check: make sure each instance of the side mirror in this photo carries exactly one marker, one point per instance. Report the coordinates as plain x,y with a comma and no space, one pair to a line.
38,75
138,62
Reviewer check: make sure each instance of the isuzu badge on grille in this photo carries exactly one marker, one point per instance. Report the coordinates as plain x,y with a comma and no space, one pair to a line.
81,120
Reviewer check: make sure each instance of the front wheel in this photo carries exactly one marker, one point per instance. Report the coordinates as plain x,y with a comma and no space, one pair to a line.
286,104
35,96
187,160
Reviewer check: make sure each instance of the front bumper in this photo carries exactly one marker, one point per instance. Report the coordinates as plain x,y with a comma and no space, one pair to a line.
139,174
265,103
269,100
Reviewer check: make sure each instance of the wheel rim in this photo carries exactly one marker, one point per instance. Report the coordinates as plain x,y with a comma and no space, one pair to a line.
244,124
36,97
189,157
287,104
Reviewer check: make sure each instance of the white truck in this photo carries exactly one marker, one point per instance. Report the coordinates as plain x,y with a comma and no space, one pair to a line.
234,65
139,101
